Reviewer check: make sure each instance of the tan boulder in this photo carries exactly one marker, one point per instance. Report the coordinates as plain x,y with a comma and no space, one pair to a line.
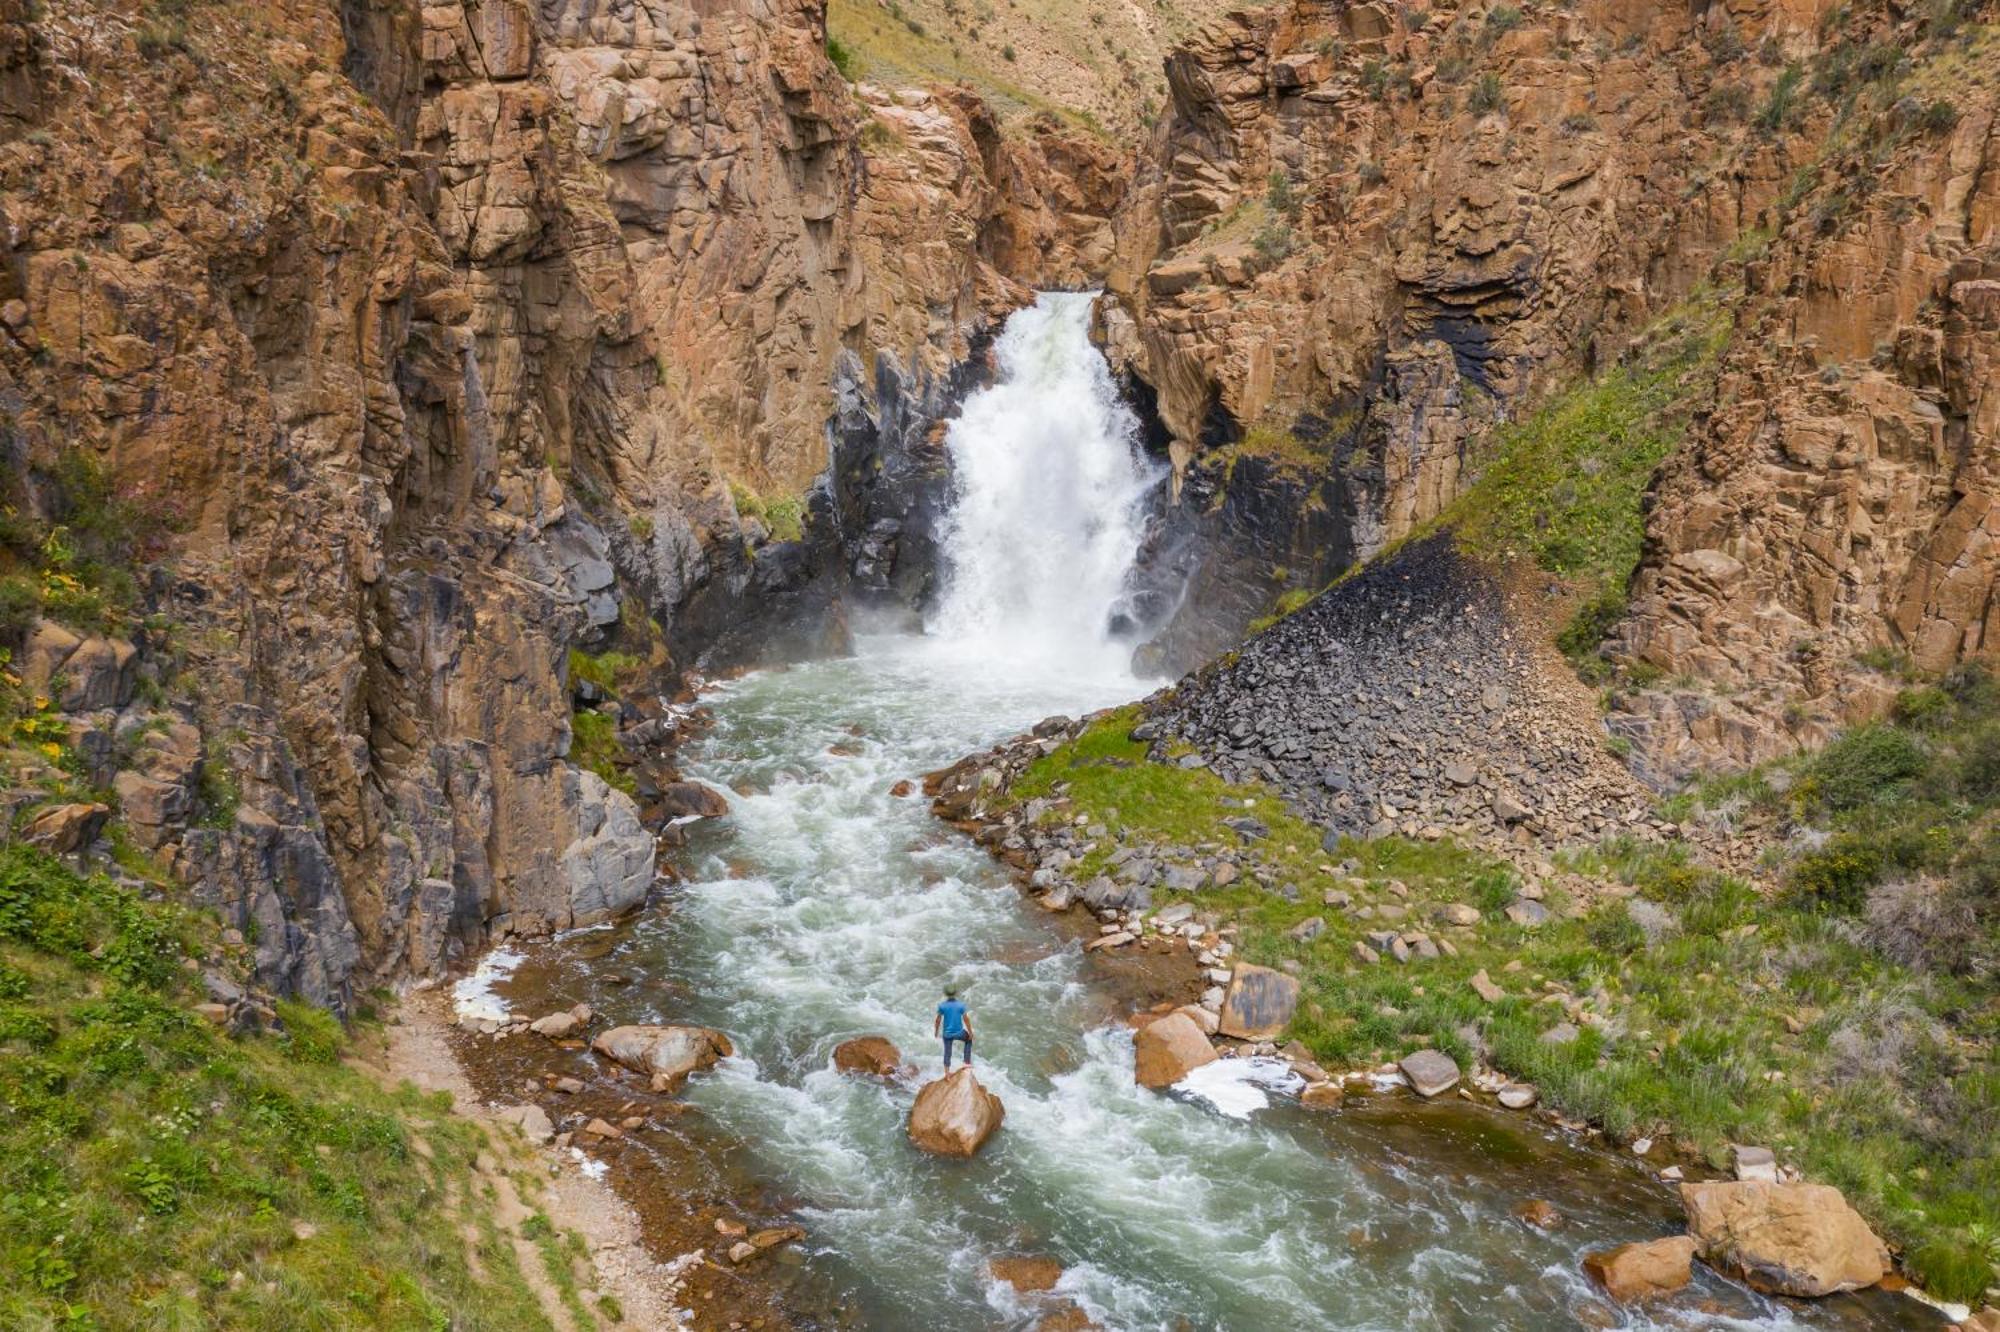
668,1052
1634,1272
874,1056
1784,1239
954,1116
1258,1004
60,829
1166,1049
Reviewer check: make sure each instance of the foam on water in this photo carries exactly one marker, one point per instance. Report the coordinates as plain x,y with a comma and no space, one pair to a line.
476,998
1239,1088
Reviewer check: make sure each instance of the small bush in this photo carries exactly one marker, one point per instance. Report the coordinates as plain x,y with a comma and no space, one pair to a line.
1613,930
1007,53
1937,117
20,603
1578,122
1862,766
1923,923
1836,878
1924,709
842,57
1726,103
1586,631
1782,105
1273,241
1486,95
1501,20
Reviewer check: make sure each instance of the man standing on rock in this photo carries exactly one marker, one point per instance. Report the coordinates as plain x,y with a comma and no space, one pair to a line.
955,1024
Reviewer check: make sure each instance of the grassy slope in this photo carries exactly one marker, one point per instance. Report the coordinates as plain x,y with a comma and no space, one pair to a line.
1706,1011
1094,64
157,1173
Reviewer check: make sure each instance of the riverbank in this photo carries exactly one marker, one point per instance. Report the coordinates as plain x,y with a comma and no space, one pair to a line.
1676,1008
587,1258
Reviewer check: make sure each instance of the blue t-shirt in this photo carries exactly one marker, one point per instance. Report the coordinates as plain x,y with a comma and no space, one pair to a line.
953,1013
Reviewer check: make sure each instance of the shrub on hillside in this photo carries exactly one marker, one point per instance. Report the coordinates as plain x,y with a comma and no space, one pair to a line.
1861,766
1836,878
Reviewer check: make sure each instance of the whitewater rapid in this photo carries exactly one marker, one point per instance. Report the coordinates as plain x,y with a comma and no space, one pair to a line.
825,907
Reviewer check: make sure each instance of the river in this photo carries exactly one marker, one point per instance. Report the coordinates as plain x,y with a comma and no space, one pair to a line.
825,907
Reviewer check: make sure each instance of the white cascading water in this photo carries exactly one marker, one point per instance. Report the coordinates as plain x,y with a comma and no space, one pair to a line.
1048,484
825,907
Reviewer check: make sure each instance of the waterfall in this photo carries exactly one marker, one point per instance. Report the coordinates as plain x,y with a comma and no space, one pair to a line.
1047,506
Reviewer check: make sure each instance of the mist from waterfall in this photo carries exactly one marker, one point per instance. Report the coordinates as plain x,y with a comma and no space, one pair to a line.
1049,484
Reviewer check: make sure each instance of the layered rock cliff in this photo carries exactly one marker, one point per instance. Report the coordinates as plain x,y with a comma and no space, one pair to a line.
1365,235
431,346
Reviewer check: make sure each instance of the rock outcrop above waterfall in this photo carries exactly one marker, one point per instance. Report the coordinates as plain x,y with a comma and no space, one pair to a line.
954,1116
431,348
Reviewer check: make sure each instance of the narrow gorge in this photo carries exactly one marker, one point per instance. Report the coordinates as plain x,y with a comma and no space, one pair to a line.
1395,594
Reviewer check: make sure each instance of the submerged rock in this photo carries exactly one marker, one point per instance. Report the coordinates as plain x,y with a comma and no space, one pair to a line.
954,1116
1029,1274
1784,1239
1539,1213
1633,1272
669,1053
1167,1049
1258,1003
872,1056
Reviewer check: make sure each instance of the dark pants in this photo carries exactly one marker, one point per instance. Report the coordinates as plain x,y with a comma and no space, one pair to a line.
966,1041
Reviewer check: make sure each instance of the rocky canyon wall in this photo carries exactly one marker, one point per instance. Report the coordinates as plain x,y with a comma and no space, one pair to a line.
433,344
1366,234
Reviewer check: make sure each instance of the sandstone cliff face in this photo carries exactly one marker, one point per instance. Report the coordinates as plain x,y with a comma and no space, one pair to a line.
1366,233
1835,517
432,341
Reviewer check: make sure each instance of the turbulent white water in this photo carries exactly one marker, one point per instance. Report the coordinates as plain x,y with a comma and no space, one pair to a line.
825,908
1048,484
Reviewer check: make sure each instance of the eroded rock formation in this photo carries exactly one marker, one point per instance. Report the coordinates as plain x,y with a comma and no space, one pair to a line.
438,342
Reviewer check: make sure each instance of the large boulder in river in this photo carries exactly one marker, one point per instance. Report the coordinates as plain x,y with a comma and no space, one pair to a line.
668,1053
1167,1049
1784,1239
874,1056
1259,1003
954,1116
1634,1272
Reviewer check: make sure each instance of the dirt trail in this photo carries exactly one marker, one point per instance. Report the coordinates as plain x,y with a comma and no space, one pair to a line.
415,1049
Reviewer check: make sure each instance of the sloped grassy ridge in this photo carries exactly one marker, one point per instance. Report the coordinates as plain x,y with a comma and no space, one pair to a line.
156,1172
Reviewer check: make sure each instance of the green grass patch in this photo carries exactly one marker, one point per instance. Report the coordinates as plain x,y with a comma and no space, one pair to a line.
612,672
157,1173
783,516
1563,486
594,745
